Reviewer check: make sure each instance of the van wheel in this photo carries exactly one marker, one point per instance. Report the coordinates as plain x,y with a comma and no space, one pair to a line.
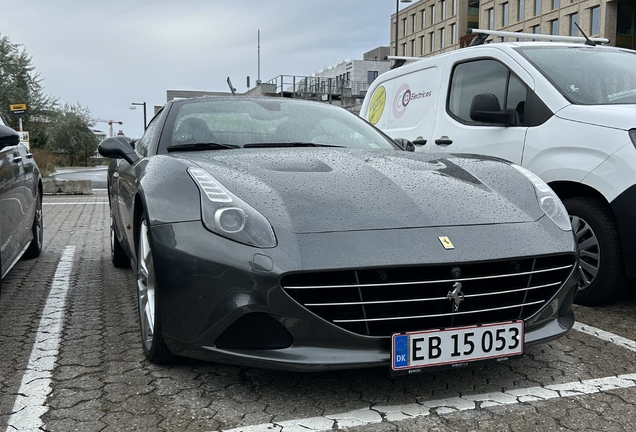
603,278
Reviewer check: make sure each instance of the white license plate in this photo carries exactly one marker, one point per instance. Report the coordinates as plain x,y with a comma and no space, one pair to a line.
456,345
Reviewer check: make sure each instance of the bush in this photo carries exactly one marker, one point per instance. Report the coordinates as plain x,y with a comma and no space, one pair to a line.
46,161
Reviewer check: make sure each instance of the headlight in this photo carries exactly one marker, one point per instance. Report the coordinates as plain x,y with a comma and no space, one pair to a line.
227,215
548,200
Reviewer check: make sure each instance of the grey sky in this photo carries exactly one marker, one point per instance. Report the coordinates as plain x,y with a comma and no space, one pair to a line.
107,54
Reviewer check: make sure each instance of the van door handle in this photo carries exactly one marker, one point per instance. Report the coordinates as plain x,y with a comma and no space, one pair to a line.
419,141
17,159
29,155
443,141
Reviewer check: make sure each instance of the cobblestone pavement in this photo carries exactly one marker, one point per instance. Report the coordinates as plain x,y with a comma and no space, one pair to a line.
100,381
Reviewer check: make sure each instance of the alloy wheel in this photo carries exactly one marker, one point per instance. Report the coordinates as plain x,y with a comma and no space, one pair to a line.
146,286
589,251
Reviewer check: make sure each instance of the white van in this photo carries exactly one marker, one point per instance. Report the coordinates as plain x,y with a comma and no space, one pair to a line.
566,111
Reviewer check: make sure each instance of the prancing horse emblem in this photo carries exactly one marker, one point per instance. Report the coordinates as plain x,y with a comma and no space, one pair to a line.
456,295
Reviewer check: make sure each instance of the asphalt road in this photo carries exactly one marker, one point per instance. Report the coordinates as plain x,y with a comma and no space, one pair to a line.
71,359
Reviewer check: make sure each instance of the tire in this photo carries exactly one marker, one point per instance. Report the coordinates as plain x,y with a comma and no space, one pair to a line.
152,341
117,255
37,229
603,277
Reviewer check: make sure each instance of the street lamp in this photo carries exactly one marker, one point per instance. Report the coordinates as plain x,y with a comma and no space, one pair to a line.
132,106
397,22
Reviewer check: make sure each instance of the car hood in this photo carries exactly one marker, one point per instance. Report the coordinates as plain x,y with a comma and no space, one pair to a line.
332,190
613,116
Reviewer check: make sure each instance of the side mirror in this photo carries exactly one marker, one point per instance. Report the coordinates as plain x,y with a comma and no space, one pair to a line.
485,108
8,137
118,148
404,144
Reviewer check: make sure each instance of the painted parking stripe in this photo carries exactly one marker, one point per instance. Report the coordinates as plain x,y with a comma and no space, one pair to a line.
606,336
377,414
30,404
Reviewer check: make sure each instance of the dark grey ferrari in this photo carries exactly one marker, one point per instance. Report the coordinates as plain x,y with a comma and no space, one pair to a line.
293,235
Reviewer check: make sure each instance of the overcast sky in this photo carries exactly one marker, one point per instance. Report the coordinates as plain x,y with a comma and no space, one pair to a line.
106,54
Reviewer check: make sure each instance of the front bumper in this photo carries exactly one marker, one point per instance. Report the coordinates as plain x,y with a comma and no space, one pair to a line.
207,284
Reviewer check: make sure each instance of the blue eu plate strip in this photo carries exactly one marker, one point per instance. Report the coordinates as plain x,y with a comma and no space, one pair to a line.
401,351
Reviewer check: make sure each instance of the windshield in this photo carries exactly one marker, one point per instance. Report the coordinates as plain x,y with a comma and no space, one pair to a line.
266,123
587,75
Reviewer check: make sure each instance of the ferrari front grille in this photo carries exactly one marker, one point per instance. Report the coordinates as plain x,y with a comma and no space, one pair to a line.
383,301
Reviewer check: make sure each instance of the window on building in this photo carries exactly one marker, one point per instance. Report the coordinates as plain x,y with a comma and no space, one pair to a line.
443,6
554,27
574,19
536,29
413,48
371,76
491,19
454,7
414,21
404,49
504,8
537,7
423,18
432,42
555,4
404,26
422,46
595,20
522,10
484,76
442,38
348,77
625,25
453,33
433,14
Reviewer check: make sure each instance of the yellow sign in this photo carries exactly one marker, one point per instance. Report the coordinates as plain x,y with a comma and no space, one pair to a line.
446,242
376,106
18,107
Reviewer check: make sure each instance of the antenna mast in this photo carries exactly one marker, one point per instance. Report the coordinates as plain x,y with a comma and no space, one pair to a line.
258,79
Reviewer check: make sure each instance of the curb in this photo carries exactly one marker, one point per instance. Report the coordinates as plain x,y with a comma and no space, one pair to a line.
67,187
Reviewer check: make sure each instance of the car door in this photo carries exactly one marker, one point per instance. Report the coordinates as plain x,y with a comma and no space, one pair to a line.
456,132
11,205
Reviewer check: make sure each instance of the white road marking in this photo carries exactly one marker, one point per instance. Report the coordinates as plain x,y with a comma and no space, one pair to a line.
75,203
376,414
606,336
30,403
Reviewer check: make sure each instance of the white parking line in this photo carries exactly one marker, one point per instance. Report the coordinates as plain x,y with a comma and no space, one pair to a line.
377,414
30,405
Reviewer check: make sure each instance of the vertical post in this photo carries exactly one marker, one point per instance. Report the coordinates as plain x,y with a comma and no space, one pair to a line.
397,11
145,123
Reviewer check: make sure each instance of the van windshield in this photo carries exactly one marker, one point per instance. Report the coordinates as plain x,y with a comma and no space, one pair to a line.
587,75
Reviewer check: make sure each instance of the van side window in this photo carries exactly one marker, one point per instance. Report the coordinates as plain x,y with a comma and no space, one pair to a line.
484,76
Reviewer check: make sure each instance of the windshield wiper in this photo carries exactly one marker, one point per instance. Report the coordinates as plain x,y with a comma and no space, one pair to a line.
200,146
289,144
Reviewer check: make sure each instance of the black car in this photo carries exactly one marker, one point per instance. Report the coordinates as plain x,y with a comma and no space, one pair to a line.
289,234
20,201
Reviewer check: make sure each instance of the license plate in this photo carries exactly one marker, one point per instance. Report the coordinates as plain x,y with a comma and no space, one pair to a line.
455,346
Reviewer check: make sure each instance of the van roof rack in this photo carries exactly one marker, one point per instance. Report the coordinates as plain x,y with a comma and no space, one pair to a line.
482,35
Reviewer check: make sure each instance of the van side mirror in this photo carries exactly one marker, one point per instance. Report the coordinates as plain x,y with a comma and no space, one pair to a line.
404,144
8,137
485,108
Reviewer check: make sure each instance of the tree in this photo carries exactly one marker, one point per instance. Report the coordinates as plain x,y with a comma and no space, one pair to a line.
20,84
71,132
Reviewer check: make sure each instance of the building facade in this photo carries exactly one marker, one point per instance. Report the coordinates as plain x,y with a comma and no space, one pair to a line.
429,27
